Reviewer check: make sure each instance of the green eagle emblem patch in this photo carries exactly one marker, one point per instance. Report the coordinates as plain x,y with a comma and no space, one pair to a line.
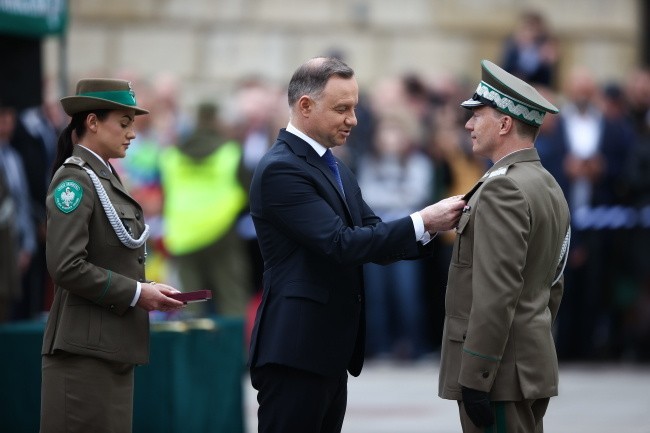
67,196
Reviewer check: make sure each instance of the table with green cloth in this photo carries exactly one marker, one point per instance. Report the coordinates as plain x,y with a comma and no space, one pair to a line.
193,382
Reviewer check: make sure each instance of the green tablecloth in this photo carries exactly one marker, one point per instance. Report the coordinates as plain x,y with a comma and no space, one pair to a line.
192,383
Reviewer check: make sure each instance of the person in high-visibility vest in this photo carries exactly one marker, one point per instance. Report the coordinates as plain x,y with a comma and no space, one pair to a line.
203,198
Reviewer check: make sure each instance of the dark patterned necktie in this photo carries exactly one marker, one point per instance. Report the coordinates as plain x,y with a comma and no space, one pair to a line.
331,163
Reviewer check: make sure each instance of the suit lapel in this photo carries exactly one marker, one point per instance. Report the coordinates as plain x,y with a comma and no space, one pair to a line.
303,149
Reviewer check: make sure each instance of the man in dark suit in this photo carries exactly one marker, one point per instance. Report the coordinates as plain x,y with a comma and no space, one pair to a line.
315,232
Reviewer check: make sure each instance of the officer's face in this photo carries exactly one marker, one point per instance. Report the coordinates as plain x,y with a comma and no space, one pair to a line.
484,127
331,116
112,136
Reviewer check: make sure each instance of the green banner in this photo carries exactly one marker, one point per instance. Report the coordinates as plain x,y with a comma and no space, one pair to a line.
33,17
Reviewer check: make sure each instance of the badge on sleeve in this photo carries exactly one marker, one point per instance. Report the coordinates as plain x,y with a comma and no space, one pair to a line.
67,196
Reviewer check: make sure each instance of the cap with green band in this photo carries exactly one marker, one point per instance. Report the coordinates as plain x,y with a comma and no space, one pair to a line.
101,93
510,95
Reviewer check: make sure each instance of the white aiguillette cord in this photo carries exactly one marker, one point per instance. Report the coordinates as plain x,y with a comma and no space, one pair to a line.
564,255
113,218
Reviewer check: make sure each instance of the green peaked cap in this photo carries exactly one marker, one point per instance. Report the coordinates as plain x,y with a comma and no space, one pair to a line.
510,95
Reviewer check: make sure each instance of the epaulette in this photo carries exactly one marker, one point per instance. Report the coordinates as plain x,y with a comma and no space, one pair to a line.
498,172
74,160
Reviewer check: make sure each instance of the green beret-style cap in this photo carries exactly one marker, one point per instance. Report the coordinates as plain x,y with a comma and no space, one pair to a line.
510,95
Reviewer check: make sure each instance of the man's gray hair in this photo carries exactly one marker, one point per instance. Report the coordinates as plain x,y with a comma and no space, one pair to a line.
311,77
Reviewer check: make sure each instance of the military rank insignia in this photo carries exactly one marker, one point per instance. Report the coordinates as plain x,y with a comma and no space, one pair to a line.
67,196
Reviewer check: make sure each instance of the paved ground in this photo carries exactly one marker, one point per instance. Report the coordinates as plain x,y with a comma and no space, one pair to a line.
389,398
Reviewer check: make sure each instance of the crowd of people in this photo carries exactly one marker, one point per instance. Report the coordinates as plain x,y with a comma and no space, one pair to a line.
191,174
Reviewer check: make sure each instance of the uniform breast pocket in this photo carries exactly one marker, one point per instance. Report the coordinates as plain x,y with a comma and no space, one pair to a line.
127,219
463,245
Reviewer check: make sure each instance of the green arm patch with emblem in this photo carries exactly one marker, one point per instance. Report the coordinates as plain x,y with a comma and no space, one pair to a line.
67,196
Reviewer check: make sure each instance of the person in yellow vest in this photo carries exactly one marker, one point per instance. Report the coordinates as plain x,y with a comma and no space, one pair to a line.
203,198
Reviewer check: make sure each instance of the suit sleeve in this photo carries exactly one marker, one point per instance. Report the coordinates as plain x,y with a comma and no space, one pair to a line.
298,205
502,227
68,237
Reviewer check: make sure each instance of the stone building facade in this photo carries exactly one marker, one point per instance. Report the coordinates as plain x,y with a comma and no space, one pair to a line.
211,44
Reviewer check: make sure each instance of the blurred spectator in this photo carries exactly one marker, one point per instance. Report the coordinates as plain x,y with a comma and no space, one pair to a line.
634,297
35,139
407,92
594,147
419,100
396,179
15,181
9,273
203,197
259,111
637,96
170,122
256,111
549,143
531,52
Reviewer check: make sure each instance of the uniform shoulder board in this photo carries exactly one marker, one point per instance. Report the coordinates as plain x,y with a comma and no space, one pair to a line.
499,172
75,160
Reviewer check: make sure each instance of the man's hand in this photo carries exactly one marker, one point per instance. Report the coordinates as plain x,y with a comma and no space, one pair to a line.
478,408
443,215
154,296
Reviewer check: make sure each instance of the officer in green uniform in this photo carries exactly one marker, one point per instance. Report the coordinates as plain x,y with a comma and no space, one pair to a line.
98,327
505,277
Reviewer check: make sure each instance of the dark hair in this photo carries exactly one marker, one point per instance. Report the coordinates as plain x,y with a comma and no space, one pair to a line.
311,77
522,129
78,125
526,130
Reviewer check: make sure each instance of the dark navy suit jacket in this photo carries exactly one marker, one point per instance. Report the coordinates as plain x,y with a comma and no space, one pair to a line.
314,242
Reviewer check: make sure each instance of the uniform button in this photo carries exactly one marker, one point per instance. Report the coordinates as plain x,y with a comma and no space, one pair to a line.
137,216
112,307
140,259
359,297
486,374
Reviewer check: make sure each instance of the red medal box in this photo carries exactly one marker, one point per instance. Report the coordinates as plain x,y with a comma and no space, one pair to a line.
189,297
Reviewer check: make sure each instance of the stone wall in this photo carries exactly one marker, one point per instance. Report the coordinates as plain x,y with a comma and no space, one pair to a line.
211,44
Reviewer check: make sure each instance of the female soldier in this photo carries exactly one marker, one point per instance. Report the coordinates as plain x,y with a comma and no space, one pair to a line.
98,326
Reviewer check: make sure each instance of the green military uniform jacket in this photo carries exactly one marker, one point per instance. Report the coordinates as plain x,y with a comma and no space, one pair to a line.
94,273
500,302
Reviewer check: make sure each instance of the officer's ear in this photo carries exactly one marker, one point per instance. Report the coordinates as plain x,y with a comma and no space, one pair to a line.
506,123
